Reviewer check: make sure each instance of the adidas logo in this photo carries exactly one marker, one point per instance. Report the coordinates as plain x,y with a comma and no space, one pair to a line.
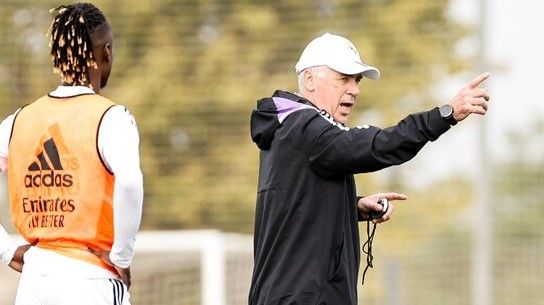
43,171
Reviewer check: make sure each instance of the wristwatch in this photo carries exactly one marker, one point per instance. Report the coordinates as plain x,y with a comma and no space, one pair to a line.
446,112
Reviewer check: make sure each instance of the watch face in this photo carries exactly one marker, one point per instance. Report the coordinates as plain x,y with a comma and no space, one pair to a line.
446,111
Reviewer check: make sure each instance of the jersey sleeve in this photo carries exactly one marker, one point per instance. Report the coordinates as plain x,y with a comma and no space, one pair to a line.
5,135
7,244
118,144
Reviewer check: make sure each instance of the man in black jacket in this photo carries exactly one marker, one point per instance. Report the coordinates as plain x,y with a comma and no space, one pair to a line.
306,233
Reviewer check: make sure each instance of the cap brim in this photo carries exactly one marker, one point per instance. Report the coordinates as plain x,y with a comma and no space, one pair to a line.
349,69
353,68
371,73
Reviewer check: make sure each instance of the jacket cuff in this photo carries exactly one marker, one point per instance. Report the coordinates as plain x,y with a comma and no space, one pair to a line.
437,124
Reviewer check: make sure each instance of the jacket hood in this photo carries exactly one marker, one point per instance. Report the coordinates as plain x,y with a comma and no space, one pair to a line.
271,112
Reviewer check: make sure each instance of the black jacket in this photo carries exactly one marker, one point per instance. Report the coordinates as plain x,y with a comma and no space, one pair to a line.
306,233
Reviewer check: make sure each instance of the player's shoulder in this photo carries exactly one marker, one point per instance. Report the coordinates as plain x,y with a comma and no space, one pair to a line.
120,113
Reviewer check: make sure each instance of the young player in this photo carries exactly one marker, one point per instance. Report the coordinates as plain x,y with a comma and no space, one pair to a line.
74,177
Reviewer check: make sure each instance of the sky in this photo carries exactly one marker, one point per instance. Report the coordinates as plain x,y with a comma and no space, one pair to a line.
514,50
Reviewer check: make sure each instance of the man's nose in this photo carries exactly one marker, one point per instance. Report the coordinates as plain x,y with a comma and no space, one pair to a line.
353,87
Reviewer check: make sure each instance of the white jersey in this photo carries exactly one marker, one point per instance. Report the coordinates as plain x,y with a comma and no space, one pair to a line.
118,142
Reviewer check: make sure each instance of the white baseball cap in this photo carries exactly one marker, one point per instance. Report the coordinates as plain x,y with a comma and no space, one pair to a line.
337,53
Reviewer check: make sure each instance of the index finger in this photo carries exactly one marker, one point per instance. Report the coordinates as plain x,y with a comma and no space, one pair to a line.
475,82
393,196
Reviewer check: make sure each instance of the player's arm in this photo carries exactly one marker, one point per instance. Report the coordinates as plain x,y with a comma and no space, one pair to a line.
7,248
119,148
10,252
17,262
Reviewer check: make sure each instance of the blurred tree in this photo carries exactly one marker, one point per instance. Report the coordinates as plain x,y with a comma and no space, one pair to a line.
191,72
206,63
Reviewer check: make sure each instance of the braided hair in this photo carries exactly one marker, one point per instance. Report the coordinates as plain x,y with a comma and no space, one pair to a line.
72,32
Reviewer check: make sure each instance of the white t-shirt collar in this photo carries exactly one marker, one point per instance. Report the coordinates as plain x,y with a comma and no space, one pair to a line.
69,91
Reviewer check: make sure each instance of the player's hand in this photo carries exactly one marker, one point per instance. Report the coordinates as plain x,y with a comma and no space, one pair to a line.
124,273
369,204
471,99
18,261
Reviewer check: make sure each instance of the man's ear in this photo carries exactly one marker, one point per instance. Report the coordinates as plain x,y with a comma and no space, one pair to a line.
309,81
107,53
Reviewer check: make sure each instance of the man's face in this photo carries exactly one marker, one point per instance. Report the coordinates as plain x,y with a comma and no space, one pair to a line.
336,93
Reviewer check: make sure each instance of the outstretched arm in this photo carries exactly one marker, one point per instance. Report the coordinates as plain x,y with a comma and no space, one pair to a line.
334,150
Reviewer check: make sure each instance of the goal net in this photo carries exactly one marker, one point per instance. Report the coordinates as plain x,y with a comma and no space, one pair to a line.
191,268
